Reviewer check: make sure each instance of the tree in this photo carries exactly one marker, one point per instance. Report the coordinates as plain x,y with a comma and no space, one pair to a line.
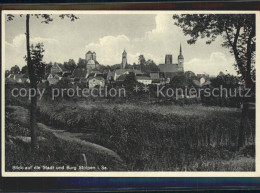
178,81
45,18
15,70
82,63
238,33
237,30
141,61
70,65
152,67
24,70
7,72
36,75
48,68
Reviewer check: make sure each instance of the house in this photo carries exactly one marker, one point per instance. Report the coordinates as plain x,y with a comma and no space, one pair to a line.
205,76
95,73
80,72
57,68
66,74
121,78
10,78
16,78
26,78
53,81
54,78
113,76
58,76
146,80
97,81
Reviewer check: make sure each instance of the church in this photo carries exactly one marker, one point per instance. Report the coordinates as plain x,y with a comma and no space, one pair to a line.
170,69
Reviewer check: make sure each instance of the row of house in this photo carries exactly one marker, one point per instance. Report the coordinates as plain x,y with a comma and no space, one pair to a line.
94,78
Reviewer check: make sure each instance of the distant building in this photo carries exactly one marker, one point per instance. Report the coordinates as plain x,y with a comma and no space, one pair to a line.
91,60
124,60
168,59
115,74
57,68
17,78
157,77
169,69
54,78
205,76
146,80
96,81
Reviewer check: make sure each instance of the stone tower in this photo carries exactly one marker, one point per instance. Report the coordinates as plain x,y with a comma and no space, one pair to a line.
94,56
180,59
124,59
168,59
88,56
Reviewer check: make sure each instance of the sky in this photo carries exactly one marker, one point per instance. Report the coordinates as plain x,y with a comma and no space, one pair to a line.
153,35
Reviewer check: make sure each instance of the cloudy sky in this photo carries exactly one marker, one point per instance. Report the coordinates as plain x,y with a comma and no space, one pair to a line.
152,35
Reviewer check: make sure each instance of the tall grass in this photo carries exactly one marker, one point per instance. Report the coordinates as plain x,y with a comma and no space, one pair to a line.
148,140
154,137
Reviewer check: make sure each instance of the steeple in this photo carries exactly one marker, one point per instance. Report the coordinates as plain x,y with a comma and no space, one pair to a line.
180,55
180,60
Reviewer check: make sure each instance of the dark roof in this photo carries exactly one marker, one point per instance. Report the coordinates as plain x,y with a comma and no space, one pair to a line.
100,75
156,81
80,72
122,77
61,66
143,78
17,76
97,77
168,67
66,74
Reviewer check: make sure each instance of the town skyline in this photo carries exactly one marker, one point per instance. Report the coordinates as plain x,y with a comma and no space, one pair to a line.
156,30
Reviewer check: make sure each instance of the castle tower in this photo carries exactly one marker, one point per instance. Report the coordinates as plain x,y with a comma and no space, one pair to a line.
88,56
180,59
124,59
94,56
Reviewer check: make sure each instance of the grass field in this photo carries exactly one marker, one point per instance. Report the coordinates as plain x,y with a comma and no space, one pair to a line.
151,137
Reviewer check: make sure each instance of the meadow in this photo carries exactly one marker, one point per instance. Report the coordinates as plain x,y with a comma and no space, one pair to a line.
155,137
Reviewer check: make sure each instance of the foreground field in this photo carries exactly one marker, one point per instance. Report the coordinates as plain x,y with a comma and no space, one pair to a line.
157,137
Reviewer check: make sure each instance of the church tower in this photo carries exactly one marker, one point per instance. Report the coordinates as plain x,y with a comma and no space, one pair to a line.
180,60
124,60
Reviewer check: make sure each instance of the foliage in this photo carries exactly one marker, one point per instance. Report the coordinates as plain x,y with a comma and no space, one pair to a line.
237,30
137,135
81,63
24,70
38,70
15,70
70,65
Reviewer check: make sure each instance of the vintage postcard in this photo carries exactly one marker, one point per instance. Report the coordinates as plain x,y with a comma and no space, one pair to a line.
130,93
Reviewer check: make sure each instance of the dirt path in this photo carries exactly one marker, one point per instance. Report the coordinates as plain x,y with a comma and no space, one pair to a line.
75,137
107,154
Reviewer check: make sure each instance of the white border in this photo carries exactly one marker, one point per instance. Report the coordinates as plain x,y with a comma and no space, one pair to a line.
126,173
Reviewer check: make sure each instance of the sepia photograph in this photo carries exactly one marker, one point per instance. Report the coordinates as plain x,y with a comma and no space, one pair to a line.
129,93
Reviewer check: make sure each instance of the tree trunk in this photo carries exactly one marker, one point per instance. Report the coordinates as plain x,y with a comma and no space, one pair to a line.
33,124
243,125
33,85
